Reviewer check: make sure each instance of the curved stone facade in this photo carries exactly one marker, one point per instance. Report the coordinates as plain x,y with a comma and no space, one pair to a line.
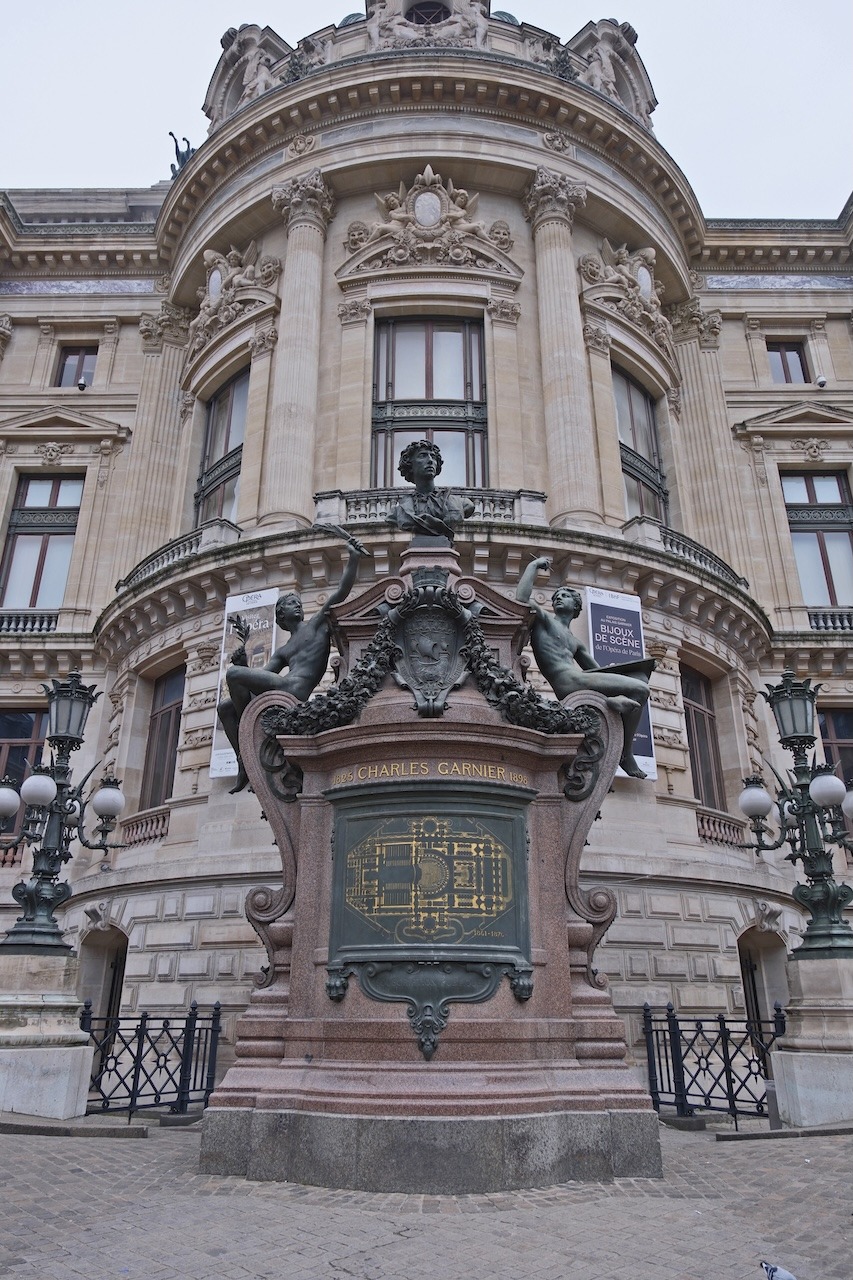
479,172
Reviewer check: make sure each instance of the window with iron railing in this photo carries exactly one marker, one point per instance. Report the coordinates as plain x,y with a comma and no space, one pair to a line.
39,542
219,481
820,517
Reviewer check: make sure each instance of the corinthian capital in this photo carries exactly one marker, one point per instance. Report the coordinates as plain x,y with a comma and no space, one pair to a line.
552,197
305,200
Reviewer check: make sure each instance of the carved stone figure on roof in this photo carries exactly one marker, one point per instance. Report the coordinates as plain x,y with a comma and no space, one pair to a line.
600,71
607,61
258,77
388,27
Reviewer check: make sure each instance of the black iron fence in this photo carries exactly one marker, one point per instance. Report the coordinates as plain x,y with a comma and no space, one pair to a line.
152,1062
710,1064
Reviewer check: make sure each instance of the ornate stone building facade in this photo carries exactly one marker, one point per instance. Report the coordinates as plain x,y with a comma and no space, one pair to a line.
430,221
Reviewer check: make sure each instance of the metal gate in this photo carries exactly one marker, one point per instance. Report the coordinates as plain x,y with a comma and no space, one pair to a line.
152,1062
714,1064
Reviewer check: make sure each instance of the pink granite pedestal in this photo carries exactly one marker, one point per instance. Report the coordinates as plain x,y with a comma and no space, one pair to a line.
521,1089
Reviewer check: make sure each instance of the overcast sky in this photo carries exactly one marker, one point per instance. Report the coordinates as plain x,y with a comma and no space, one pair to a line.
756,96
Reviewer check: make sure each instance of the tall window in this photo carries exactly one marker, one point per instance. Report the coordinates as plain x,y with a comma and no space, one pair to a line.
218,485
40,540
163,728
698,699
76,364
429,384
836,730
21,742
645,490
787,361
820,515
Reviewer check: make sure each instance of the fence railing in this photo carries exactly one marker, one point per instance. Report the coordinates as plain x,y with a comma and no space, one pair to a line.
709,1064
152,1062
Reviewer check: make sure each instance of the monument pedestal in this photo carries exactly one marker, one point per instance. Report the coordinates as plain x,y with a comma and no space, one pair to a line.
813,1062
430,1020
45,1059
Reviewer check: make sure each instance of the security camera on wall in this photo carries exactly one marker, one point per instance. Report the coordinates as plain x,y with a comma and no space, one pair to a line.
820,381
83,384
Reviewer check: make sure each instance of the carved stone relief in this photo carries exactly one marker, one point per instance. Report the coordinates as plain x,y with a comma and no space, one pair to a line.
308,199
624,282
354,311
172,323
5,332
552,195
812,448
466,27
430,224
689,320
237,283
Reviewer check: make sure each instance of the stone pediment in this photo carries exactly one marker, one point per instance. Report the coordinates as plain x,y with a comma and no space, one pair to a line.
810,414
428,227
59,420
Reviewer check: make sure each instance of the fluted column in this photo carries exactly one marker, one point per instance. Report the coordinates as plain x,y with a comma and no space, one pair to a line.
573,466
597,341
147,506
351,450
307,206
506,439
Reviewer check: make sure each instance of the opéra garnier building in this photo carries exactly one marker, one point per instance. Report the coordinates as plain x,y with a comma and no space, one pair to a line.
432,222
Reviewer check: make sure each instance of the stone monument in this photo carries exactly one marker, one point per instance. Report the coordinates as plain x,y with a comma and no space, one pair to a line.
430,1019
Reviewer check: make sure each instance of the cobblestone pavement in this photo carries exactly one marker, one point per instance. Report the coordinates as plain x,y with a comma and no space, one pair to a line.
104,1208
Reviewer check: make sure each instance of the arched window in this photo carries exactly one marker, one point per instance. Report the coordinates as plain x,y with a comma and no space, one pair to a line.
219,481
163,728
429,383
645,488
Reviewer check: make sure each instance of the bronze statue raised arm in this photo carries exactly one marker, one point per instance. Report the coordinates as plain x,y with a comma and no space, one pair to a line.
430,512
304,656
567,664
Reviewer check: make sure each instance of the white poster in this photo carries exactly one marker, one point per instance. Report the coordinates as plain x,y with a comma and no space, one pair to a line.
255,609
615,628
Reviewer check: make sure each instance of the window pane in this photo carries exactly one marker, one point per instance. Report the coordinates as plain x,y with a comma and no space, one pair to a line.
796,365
38,493
633,505
644,428
22,571
88,367
623,409
827,489
813,582
218,429
382,363
18,724
777,368
840,555
448,365
837,723
478,390
409,362
401,439
239,401
230,496
54,574
452,446
794,488
70,493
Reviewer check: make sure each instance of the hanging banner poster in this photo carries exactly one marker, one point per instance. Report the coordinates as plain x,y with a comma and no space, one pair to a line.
255,610
616,638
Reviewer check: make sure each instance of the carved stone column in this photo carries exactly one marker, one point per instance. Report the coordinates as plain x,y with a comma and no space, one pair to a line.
352,447
506,446
573,465
307,206
598,341
156,437
706,439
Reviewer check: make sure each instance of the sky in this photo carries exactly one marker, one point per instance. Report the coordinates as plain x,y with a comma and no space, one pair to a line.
756,96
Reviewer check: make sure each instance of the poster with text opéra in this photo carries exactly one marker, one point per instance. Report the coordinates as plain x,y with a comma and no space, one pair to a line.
256,609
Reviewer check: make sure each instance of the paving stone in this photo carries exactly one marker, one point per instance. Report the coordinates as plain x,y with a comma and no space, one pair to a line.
142,1211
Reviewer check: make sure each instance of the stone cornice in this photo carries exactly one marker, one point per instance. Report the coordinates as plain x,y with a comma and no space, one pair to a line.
36,247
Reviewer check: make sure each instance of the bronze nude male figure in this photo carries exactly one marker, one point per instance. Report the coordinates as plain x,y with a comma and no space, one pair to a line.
429,511
567,664
304,656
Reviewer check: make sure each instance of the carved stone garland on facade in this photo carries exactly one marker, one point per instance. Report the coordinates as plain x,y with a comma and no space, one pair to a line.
237,283
624,282
429,225
5,332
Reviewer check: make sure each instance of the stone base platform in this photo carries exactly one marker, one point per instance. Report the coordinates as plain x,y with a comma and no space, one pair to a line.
430,1156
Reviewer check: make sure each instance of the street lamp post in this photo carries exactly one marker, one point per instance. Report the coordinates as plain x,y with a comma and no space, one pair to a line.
55,815
812,811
